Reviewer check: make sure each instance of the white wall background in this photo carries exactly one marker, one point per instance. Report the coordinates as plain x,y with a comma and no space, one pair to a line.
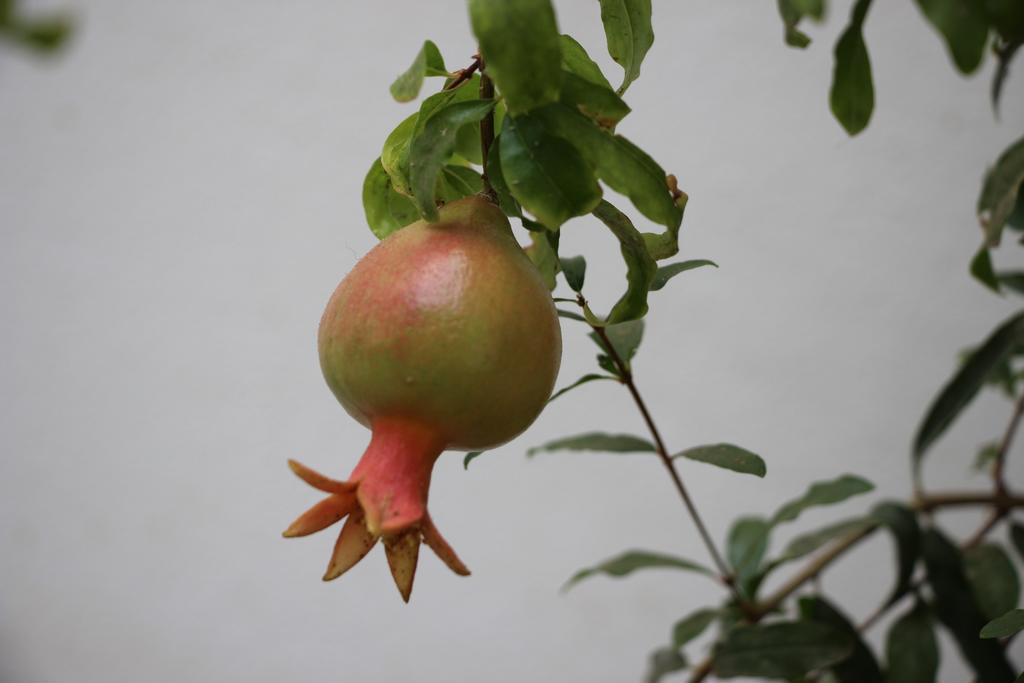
180,192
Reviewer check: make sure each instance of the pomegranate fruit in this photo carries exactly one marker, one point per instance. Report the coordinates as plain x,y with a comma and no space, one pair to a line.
443,336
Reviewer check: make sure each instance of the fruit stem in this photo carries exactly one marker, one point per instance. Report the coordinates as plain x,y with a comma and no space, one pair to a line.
487,129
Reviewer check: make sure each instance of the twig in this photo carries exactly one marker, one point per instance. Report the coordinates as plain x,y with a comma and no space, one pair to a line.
486,129
627,378
1004,445
465,74
813,568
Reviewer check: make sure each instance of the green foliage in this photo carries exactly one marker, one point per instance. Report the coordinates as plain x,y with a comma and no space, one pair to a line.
745,549
981,269
470,457
663,661
627,27
592,377
1017,538
964,385
853,95
998,199
823,493
807,543
544,173
902,524
620,164
635,560
386,210
575,60
860,666
596,102
911,650
428,62
624,338
780,650
958,611
993,579
430,150
791,15
1005,625
597,441
640,266
574,268
692,625
666,273
44,35
726,456
519,42
543,251
963,25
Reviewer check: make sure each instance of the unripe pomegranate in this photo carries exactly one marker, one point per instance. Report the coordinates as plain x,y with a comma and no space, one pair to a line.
442,337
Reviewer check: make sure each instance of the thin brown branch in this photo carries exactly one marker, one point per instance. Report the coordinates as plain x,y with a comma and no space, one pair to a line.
1000,504
1005,443
465,74
627,378
486,129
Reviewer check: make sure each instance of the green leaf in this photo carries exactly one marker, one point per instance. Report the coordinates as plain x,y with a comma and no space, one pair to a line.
582,380
640,266
726,456
998,198
428,62
1005,625
429,150
852,97
993,579
635,560
519,42
911,650
964,385
780,650
964,27
666,273
1012,280
456,182
1017,538
791,15
663,661
981,269
627,27
985,457
569,315
597,441
624,337
496,176
546,174
623,166
386,210
597,103
574,268
957,610
823,493
807,543
1004,56
470,457
902,524
394,157
815,9
860,666
1016,218
576,60
747,544
45,35
543,251
691,626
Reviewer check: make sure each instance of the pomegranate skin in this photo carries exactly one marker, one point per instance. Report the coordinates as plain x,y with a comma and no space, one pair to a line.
448,325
